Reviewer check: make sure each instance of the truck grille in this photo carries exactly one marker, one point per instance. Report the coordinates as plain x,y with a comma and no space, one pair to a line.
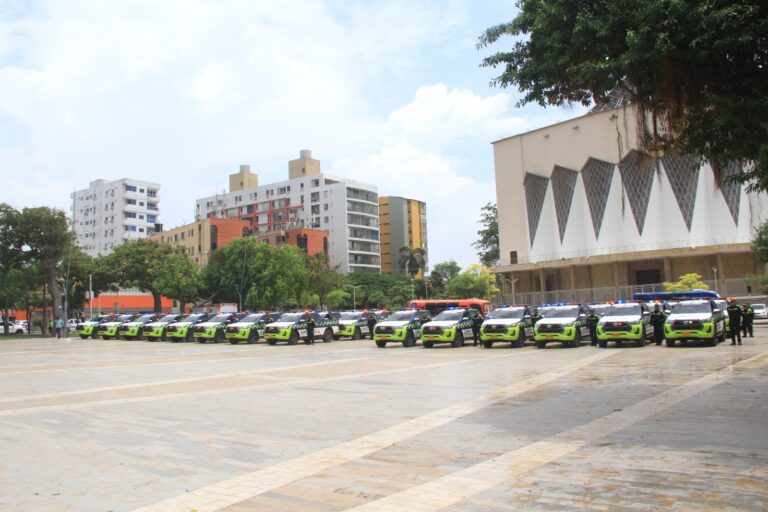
384,329
496,328
199,329
550,328
232,329
272,330
432,330
171,328
617,327
687,325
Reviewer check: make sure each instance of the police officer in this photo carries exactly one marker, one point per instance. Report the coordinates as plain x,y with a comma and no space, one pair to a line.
425,318
734,316
535,317
477,321
311,330
747,317
592,320
657,321
371,323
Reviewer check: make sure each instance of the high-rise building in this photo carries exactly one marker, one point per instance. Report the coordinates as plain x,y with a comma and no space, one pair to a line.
348,210
109,213
403,223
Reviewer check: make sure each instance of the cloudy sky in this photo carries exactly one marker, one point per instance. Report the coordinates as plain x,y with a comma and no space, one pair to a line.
183,91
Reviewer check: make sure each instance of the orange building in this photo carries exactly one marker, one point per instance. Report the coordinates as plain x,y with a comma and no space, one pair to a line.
200,238
127,301
311,241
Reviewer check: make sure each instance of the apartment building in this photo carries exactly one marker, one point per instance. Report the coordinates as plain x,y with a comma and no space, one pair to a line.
346,209
109,213
403,223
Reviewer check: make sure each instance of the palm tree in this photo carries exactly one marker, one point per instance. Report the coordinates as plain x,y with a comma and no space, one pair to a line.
412,261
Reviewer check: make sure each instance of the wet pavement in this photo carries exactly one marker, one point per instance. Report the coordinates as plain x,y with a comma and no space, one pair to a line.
98,425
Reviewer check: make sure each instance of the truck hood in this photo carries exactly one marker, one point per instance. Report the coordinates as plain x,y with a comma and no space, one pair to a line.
689,316
110,324
180,324
242,325
556,321
393,323
350,322
502,321
630,319
440,323
282,325
208,325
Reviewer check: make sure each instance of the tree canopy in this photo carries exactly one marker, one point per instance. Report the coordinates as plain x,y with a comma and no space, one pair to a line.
412,260
687,282
476,281
696,70
487,245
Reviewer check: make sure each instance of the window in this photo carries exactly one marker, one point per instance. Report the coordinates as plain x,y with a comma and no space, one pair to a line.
325,220
151,192
130,228
141,203
130,201
130,215
141,216
315,209
315,183
315,197
151,218
141,230
325,207
130,188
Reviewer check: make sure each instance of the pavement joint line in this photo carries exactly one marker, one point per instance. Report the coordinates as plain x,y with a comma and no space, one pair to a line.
94,366
453,488
292,382
283,473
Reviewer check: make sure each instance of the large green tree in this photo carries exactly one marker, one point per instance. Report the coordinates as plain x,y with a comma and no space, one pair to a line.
323,278
137,265
441,274
47,241
487,244
696,70
476,281
177,276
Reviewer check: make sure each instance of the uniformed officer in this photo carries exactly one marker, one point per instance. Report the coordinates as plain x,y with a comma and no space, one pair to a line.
734,316
592,320
477,321
535,317
747,317
371,323
425,318
657,321
311,330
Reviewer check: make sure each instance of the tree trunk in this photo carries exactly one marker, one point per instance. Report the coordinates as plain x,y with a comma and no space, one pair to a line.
44,331
5,320
158,302
182,305
55,289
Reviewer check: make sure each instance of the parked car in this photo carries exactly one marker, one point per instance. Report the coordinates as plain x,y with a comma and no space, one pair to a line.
760,311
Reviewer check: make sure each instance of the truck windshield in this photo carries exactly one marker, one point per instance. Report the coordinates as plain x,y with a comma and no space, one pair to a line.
219,318
291,317
401,316
351,315
691,307
600,309
192,318
624,310
125,318
254,317
563,312
145,318
450,315
507,313
168,319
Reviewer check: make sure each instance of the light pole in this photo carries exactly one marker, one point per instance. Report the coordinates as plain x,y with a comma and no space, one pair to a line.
90,294
412,289
512,283
354,294
426,286
714,271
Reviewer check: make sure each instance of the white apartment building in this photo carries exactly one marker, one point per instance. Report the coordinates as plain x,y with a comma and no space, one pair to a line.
347,209
109,213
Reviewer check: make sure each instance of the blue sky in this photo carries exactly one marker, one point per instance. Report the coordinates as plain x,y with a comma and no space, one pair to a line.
183,91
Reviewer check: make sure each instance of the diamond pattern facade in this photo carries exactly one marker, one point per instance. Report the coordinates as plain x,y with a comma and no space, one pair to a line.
683,174
535,191
637,172
563,185
732,190
597,176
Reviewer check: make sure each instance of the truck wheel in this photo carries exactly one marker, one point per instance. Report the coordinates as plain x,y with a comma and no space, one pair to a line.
163,337
541,344
488,344
381,344
234,341
188,337
357,334
670,343
458,341
328,335
520,341
219,337
711,342
84,336
428,344
271,342
253,337
602,343
294,339
410,339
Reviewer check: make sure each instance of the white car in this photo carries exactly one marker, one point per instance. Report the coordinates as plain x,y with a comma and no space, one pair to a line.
17,328
760,311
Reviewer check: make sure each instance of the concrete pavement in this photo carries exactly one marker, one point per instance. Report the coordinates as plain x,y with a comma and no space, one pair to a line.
120,426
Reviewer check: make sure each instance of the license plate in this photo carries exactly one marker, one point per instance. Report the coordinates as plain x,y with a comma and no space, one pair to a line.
687,333
493,336
549,336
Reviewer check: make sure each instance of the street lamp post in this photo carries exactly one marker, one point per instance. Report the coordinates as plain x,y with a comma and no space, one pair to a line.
714,271
240,298
354,294
412,289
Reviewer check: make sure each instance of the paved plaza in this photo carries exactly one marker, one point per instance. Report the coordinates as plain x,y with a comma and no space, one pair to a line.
92,425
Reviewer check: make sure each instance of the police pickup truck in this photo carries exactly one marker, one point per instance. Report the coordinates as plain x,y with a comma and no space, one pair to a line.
154,331
400,327
509,324
693,320
566,324
450,326
132,330
249,329
183,329
292,327
90,327
622,322
108,330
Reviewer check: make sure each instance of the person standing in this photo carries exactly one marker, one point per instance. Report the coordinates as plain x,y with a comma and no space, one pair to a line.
734,317
477,321
371,323
59,326
747,318
657,322
535,317
50,327
592,321
311,330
